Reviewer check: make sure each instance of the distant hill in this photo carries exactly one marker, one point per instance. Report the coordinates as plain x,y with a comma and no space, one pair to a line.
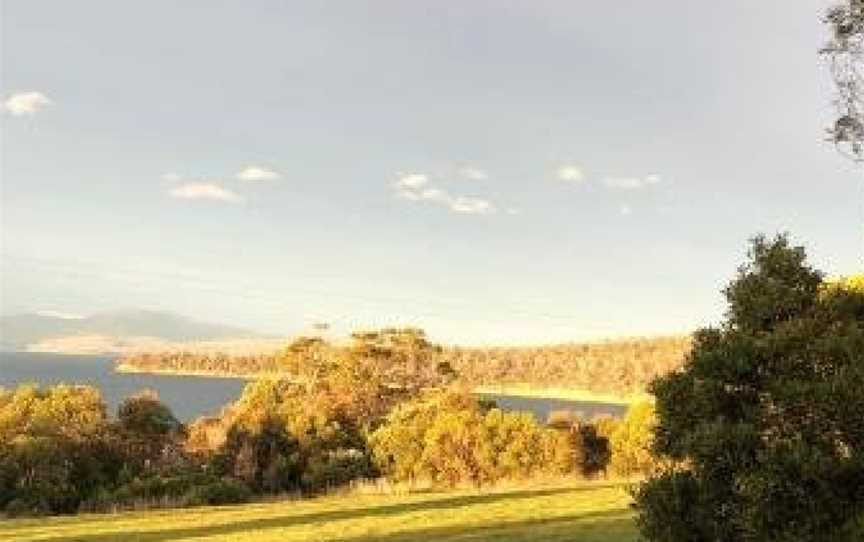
116,331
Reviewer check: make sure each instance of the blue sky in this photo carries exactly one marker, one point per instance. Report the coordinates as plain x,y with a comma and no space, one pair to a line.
496,172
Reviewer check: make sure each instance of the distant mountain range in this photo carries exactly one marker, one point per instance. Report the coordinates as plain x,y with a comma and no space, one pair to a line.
110,332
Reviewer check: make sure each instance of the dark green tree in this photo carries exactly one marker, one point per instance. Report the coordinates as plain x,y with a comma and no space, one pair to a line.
764,425
148,431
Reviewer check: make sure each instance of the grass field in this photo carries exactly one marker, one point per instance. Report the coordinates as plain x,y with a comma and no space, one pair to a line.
584,513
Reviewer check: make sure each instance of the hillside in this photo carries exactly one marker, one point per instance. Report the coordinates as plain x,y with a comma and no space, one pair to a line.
588,512
109,332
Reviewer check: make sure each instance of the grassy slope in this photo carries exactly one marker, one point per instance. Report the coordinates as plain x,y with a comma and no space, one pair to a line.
587,513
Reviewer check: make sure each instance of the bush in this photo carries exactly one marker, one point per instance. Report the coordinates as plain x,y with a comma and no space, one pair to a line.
56,448
219,492
447,438
182,490
631,441
336,469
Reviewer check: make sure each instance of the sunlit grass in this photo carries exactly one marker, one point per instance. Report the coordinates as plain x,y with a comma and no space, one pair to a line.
584,512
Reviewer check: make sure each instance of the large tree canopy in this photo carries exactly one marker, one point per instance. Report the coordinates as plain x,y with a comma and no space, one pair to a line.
764,425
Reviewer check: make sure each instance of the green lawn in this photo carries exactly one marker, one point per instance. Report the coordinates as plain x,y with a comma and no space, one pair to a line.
583,513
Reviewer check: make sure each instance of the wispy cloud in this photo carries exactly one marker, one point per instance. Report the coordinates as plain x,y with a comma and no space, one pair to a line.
473,173
412,181
258,173
410,185
415,187
625,210
171,177
471,206
205,191
632,183
49,313
570,173
26,103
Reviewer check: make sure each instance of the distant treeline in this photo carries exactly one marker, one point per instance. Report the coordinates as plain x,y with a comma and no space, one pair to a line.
620,367
623,366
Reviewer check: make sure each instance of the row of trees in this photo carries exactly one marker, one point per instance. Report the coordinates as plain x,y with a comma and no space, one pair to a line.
622,367
59,451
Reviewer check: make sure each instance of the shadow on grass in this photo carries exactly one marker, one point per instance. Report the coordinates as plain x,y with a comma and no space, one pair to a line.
605,526
293,520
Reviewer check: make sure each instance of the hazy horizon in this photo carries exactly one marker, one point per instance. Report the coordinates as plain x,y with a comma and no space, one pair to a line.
495,173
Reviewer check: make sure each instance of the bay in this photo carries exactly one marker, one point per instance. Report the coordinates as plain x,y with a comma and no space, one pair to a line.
192,396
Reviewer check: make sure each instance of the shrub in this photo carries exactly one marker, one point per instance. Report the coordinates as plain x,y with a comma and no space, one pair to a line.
631,441
185,490
219,492
448,438
56,448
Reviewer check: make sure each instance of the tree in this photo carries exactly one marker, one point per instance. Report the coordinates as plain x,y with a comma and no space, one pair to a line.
763,425
595,450
844,52
148,429
55,448
631,441
403,358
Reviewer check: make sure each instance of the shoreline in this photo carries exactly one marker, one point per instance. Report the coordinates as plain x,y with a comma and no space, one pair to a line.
525,391
129,369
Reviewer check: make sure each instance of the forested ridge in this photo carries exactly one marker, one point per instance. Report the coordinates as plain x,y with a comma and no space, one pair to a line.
620,367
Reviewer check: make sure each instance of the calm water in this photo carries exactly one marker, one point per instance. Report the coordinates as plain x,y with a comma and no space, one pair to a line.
190,397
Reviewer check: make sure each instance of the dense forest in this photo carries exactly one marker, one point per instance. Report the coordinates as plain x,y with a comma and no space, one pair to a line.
620,367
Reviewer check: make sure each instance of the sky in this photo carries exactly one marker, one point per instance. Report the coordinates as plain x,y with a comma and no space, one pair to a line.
494,172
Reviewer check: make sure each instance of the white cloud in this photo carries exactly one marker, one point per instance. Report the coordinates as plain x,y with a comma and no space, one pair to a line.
625,210
26,103
257,173
570,173
471,206
632,183
204,191
473,174
58,314
412,187
171,177
412,181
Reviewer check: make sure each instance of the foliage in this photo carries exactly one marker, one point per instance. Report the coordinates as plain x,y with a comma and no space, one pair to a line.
405,358
382,405
631,441
595,451
447,437
148,431
763,425
55,448
196,489
284,437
